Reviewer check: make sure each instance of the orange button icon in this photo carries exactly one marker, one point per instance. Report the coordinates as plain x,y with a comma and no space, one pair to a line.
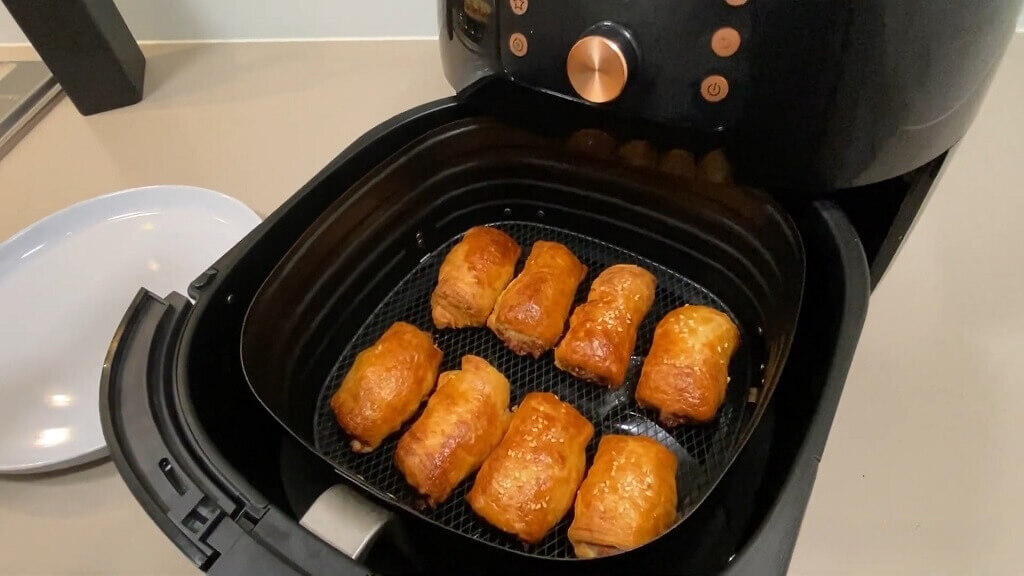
714,88
517,44
725,42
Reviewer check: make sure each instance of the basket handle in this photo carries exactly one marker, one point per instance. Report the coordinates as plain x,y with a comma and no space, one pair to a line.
346,520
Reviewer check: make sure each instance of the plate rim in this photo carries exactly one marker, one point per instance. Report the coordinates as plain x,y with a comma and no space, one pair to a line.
93,453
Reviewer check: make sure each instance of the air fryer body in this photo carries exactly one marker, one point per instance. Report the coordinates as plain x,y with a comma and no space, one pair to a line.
228,484
845,112
823,94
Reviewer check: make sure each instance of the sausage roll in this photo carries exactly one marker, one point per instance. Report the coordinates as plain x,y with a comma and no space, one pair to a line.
714,168
591,142
472,277
530,314
386,384
678,163
602,331
627,499
464,420
638,153
527,484
687,371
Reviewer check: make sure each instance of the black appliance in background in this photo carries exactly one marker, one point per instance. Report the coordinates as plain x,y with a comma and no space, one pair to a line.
88,48
843,112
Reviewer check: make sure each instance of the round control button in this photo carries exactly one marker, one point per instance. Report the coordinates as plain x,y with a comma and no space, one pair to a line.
519,7
735,2
517,44
598,68
714,88
725,42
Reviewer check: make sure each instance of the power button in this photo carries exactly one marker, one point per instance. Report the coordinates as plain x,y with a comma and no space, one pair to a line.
714,88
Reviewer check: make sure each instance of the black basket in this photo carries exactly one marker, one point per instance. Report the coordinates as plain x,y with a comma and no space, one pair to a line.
371,259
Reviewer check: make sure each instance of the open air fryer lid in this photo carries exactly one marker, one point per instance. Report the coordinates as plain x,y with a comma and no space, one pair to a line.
349,277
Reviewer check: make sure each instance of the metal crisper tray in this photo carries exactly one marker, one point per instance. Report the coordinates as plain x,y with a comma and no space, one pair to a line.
704,452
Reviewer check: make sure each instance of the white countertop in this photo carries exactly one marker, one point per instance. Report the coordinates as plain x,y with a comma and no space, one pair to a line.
921,472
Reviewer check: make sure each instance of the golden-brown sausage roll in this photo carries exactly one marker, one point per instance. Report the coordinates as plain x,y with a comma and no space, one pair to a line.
464,420
472,277
386,384
687,370
602,331
627,499
530,314
527,484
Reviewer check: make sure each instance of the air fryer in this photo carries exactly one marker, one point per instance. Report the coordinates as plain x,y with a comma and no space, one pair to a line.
773,155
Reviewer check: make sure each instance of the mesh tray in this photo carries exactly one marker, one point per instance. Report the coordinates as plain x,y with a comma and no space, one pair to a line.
704,452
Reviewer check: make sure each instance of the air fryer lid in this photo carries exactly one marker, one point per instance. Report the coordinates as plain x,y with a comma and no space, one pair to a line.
371,258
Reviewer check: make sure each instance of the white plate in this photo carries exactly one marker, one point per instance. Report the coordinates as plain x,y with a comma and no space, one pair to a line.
65,283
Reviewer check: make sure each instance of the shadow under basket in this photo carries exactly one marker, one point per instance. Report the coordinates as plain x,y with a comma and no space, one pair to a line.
372,258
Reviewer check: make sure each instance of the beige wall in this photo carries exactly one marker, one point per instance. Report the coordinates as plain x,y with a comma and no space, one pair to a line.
261,19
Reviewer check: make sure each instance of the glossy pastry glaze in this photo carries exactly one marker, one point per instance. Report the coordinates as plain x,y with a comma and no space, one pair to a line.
528,483
530,314
472,277
627,499
464,420
687,370
385,385
602,331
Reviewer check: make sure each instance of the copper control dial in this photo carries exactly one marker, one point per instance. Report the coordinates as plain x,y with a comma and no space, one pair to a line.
599,63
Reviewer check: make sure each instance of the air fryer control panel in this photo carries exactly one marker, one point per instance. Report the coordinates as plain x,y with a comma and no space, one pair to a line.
681,62
815,95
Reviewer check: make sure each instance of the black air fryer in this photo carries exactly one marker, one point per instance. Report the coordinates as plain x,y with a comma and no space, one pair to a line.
764,157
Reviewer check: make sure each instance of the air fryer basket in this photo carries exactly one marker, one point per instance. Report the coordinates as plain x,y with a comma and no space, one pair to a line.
372,257
703,451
